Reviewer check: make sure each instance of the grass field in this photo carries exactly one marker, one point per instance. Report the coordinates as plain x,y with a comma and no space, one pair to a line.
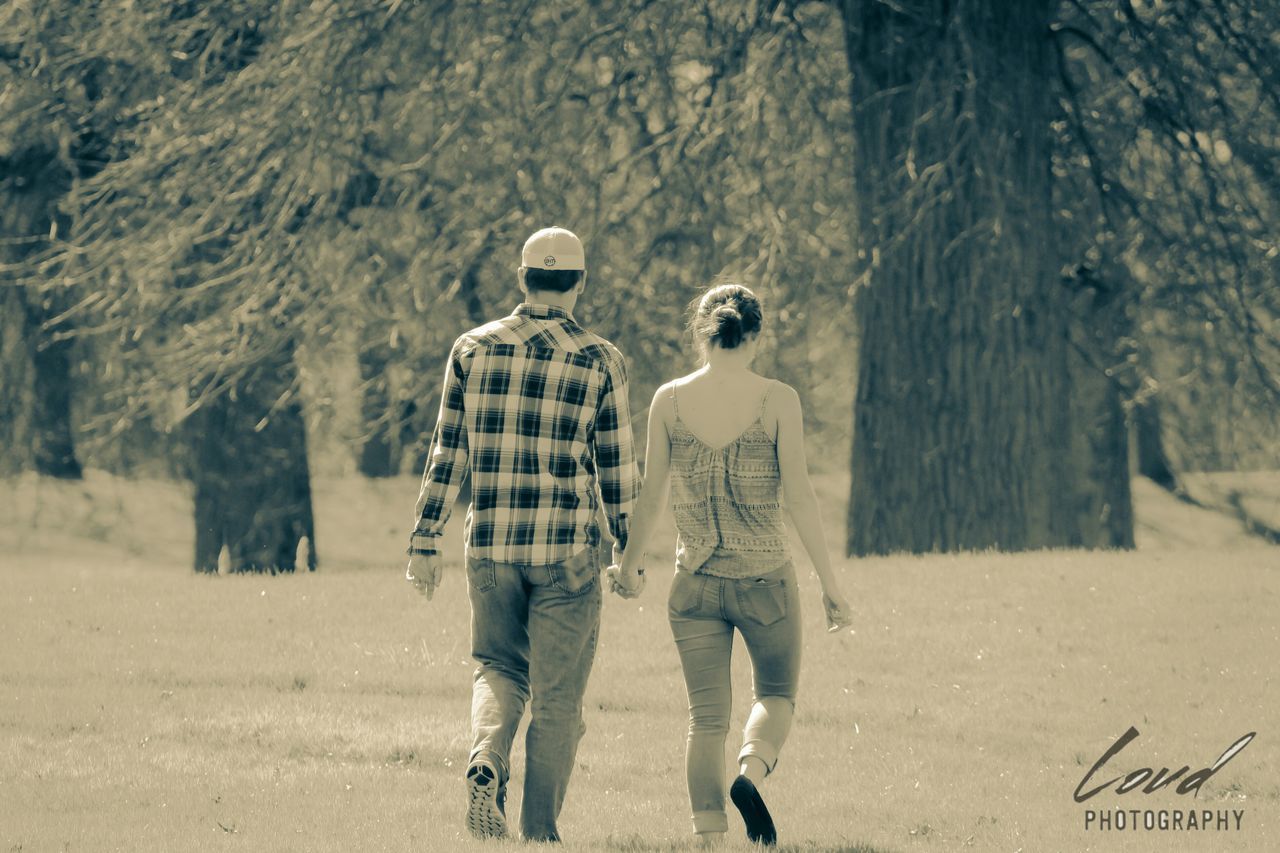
145,708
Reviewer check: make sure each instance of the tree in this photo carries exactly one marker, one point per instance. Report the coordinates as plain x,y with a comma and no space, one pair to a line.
297,184
187,243
32,181
1170,116
963,394
252,483
75,80
1122,150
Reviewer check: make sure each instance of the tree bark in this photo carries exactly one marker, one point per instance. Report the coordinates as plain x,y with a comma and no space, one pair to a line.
387,423
1152,460
378,456
963,408
16,391
53,445
249,467
1100,443
33,182
1101,366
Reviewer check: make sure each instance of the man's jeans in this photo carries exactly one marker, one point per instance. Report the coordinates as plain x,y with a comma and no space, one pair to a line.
533,632
704,611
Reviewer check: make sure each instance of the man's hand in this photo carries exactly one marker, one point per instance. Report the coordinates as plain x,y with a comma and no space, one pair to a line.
627,584
425,572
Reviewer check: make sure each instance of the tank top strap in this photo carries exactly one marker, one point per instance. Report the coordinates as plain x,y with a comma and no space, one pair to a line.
675,407
764,400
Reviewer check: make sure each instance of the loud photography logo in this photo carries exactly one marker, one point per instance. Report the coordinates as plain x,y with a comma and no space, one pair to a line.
1162,818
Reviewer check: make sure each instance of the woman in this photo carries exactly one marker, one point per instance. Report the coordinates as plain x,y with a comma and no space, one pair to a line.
727,443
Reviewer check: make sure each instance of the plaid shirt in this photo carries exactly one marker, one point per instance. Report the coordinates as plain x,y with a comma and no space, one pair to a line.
534,407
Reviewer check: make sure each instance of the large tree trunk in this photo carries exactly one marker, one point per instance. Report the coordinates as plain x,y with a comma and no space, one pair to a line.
962,411
39,401
249,466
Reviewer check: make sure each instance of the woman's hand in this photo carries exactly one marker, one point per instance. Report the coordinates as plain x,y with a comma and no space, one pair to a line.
839,615
626,582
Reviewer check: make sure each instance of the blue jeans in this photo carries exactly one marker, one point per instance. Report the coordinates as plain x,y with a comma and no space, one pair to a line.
533,633
704,610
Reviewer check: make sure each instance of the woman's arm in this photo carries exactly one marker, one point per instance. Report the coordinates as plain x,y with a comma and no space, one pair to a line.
801,502
653,494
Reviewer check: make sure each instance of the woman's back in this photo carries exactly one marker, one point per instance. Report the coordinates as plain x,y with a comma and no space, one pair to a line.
726,489
718,408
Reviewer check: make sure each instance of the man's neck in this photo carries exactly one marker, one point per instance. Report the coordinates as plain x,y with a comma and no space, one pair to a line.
555,298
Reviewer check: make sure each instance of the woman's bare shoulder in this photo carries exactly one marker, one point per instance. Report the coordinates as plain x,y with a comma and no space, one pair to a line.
687,379
664,397
781,396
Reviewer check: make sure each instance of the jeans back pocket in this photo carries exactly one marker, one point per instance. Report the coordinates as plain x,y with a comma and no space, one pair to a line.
576,575
686,594
762,601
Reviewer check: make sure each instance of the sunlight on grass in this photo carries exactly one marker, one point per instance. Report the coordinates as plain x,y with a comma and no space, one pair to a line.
145,708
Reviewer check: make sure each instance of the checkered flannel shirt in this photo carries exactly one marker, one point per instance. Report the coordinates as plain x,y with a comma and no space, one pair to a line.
534,408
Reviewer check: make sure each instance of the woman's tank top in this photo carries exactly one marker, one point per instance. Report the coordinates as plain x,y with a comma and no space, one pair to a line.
727,501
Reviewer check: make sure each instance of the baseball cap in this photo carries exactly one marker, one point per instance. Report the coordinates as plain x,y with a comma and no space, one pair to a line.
553,249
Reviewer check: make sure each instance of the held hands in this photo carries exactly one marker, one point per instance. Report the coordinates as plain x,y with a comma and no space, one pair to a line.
839,615
425,572
626,582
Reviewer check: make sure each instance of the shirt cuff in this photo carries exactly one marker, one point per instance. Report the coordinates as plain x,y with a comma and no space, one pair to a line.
423,543
621,527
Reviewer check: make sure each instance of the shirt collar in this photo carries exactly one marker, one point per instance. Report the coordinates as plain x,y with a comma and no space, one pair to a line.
539,311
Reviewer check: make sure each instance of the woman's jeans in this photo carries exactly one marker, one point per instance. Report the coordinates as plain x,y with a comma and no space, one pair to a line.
533,632
704,610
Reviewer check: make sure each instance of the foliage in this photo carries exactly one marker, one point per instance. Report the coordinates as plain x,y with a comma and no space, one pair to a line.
363,173
352,175
1171,123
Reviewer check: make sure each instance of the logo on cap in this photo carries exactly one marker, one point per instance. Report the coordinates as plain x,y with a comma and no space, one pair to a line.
549,261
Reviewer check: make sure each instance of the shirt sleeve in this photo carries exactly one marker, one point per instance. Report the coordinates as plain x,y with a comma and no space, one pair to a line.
447,465
615,452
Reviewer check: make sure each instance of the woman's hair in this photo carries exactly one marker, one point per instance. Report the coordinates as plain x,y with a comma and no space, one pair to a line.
725,316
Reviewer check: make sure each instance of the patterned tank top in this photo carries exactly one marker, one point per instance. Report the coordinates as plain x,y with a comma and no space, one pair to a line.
727,501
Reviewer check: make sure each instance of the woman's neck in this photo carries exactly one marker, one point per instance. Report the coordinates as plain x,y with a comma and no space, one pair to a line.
724,361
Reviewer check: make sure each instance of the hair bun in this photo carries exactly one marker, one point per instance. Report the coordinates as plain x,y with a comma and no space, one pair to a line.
725,316
728,326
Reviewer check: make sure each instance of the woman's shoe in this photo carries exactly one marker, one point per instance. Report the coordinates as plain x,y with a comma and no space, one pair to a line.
754,814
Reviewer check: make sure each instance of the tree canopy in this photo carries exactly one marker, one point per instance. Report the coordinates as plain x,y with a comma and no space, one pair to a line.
240,180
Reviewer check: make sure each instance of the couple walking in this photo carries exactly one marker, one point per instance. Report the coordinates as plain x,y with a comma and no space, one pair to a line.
535,410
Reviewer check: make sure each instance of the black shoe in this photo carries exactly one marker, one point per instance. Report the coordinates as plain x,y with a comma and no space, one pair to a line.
486,816
754,814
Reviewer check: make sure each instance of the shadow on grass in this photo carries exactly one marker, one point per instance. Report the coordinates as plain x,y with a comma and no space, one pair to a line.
641,844
831,848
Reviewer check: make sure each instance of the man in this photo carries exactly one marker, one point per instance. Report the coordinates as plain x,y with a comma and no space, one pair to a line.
535,410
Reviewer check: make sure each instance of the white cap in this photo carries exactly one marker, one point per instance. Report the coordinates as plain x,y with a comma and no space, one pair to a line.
553,249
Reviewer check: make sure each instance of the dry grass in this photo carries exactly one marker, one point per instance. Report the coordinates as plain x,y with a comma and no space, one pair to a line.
144,708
